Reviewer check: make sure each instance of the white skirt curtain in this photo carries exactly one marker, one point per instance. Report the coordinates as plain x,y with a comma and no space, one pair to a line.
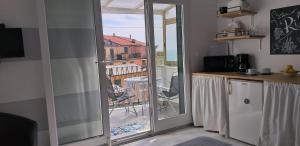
209,104
281,115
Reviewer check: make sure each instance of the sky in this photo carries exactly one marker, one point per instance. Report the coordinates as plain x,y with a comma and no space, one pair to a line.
134,25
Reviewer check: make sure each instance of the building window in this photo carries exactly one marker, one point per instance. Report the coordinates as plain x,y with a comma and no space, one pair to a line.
112,54
126,49
118,82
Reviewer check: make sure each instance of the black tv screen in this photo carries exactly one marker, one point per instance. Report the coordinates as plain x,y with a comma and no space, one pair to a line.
11,43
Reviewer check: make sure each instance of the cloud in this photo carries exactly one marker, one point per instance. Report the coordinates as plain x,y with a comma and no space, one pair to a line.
123,20
128,20
131,24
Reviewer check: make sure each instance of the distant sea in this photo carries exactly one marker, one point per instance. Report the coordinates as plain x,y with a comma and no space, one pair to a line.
172,56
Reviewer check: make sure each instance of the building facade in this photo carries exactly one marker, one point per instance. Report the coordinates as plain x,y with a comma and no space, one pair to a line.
122,50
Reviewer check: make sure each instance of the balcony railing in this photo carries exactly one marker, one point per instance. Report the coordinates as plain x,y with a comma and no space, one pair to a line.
113,70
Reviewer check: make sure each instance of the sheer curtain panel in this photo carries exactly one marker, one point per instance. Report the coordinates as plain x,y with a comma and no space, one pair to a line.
209,104
281,115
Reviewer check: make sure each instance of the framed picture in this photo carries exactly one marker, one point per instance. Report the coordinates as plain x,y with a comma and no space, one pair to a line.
285,30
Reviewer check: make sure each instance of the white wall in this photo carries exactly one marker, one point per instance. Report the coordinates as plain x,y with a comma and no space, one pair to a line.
18,13
262,58
203,24
165,73
21,86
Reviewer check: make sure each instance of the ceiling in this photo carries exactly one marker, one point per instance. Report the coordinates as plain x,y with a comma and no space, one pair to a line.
131,7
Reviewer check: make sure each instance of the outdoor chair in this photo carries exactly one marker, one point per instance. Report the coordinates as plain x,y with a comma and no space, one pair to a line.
119,97
166,95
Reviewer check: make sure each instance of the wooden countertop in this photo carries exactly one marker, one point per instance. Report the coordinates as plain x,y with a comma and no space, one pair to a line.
275,77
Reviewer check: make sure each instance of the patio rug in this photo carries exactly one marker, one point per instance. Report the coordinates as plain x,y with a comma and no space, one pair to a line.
203,141
126,129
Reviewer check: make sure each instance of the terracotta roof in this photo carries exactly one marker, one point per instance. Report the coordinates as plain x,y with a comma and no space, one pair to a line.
123,41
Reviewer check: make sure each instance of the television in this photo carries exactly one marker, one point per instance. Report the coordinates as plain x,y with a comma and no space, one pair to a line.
11,43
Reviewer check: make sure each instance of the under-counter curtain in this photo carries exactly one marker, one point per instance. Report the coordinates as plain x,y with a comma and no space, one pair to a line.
281,115
209,104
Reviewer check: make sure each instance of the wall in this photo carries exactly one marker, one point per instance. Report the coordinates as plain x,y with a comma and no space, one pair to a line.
21,85
203,25
165,73
262,58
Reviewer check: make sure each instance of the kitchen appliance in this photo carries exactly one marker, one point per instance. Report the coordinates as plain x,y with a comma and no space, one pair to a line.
245,110
2,26
223,10
219,63
242,63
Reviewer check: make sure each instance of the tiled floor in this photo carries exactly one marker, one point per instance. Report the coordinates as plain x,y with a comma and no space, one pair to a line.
120,118
182,135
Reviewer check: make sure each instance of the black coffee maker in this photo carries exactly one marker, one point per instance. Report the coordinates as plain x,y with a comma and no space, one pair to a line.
242,63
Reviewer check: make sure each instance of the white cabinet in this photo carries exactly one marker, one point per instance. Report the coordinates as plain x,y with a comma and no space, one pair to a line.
245,110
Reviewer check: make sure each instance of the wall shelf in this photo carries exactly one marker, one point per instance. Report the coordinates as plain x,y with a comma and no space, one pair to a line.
232,38
235,14
232,15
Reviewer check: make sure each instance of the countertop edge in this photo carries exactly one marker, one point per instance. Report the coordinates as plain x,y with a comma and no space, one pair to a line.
275,77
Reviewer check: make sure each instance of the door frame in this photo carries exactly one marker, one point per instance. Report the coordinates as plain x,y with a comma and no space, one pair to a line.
183,119
48,84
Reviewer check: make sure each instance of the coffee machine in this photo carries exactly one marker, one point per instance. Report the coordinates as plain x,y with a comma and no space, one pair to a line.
242,63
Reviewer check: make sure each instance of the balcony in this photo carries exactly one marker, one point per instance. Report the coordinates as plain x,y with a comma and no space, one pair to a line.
132,116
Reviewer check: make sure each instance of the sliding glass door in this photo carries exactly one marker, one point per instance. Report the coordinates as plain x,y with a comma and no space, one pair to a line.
72,60
169,74
84,68
126,60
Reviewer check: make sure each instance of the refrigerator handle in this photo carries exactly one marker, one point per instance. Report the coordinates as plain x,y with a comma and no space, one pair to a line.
229,87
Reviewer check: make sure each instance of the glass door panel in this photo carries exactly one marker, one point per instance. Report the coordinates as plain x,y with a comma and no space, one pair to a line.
126,61
72,40
168,58
166,35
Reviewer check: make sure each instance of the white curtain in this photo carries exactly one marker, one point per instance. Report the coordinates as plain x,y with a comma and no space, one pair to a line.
209,104
281,115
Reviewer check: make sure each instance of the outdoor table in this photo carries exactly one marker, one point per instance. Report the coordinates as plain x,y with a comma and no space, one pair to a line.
138,86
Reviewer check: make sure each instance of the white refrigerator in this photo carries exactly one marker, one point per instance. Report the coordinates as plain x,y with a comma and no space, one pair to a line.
245,110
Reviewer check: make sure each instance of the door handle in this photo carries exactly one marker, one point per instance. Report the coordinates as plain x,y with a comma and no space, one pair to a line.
229,88
103,61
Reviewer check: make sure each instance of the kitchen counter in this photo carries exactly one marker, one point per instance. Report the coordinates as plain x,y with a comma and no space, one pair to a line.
275,77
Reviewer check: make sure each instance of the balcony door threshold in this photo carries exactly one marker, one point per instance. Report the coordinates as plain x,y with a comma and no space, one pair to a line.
131,138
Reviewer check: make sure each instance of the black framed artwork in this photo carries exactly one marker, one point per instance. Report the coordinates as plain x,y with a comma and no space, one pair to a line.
285,30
